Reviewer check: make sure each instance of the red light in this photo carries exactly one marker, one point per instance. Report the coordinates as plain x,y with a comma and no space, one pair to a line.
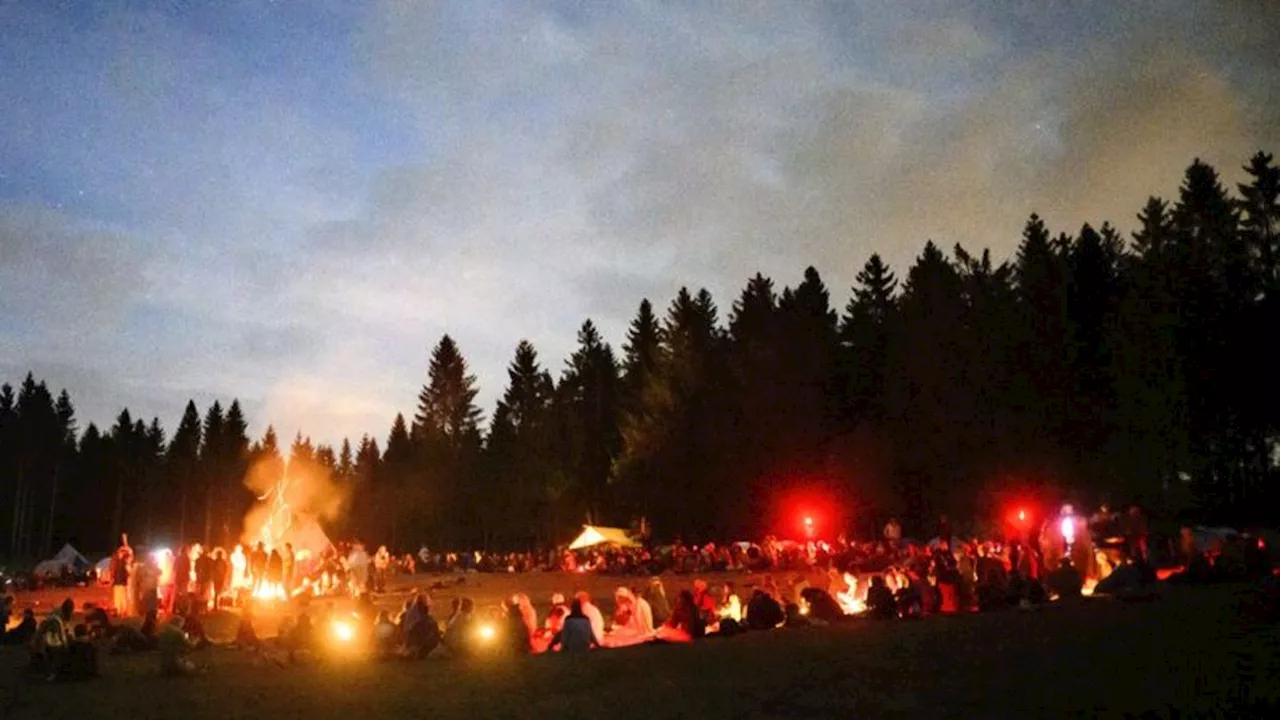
808,521
1022,516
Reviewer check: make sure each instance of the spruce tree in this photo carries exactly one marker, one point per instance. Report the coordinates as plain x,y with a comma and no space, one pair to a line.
212,466
183,465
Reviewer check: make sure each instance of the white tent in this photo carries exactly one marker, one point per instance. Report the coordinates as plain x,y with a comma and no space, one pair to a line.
595,535
68,557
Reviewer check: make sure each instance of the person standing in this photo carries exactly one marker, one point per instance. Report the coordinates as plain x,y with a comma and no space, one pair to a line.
287,560
258,566
381,564
1135,533
275,569
120,581
893,533
358,569
206,586
182,571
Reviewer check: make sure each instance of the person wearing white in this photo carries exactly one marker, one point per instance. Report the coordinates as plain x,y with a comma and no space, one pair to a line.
645,611
592,612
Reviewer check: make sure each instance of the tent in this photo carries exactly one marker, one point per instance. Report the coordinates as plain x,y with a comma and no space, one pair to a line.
68,557
595,535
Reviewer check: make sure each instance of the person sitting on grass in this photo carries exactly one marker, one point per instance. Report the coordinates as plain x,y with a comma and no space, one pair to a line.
457,635
628,623
21,633
82,660
880,602
515,632
763,611
554,624
385,635
419,629
577,634
822,607
527,613
99,623
141,639
50,650
592,612
246,637
299,641
193,624
679,627
656,596
174,648
1065,581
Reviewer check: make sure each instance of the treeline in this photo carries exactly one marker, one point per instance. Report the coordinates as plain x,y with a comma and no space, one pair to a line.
1109,368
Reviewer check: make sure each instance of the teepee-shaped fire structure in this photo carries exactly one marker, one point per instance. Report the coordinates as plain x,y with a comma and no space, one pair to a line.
279,517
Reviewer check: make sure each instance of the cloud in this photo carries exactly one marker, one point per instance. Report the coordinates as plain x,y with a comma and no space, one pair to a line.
63,279
297,217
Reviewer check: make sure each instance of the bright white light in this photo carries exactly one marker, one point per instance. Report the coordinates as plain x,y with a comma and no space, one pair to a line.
1069,529
487,632
343,631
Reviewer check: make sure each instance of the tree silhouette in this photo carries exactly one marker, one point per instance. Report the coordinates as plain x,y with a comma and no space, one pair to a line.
1085,368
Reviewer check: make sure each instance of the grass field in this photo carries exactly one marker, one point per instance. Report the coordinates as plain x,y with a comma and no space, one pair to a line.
1193,650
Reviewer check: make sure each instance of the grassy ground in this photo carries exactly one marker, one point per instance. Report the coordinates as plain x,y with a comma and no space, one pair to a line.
1193,650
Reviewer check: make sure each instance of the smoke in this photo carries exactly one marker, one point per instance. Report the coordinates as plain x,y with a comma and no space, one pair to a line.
293,499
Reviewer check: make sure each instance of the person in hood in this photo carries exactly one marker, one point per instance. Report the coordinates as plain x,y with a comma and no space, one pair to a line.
656,596
628,625
592,612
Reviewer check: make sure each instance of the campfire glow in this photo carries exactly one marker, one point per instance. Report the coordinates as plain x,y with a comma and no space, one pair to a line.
270,591
850,604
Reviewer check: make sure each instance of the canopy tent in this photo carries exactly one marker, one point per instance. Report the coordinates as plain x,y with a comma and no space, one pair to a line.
595,535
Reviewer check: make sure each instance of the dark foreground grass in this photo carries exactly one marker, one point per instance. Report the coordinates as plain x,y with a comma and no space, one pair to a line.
1194,652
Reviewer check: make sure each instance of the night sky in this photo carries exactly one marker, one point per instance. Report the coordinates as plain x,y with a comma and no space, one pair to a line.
290,202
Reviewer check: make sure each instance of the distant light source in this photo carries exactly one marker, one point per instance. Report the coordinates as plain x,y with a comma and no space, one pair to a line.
343,631
808,521
487,632
1069,530
1022,516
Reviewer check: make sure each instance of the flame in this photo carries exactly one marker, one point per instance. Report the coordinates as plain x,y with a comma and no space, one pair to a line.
270,591
1088,587
279,517
849,602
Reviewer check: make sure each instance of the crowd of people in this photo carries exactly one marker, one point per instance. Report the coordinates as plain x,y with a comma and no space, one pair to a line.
887,578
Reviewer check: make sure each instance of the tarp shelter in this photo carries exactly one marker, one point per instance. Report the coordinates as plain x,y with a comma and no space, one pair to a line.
68,557
595,535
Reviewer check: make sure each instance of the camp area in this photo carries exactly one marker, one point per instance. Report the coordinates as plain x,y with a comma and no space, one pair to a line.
1010,664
